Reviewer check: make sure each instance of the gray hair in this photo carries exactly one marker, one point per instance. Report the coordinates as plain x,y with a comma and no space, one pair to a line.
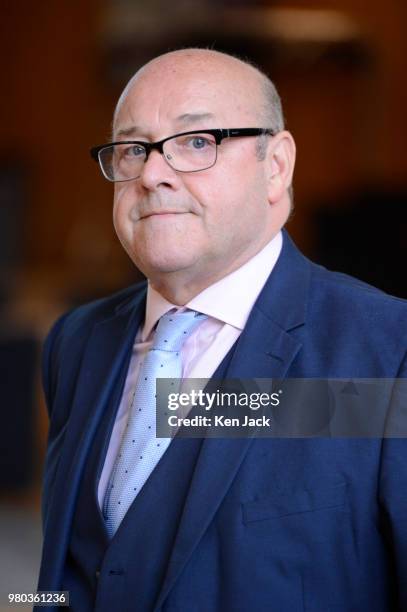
272,117
271,112
272,108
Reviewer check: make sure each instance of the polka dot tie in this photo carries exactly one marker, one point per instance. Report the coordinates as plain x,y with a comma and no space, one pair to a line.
140,450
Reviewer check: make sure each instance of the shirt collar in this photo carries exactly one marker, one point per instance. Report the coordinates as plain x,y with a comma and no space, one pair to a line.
230,299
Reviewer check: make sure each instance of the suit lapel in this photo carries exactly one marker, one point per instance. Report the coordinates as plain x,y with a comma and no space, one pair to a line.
265,349
106,355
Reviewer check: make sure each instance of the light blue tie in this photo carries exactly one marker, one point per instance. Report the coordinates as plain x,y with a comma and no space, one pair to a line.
140,450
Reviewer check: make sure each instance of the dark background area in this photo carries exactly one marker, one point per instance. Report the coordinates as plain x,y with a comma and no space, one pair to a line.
340,68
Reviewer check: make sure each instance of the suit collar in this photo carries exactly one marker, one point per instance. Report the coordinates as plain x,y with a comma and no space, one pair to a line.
284,299
134,300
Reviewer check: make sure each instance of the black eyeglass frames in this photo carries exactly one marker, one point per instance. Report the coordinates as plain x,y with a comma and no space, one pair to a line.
191,151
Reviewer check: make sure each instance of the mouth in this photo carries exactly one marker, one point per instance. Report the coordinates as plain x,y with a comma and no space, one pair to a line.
163,213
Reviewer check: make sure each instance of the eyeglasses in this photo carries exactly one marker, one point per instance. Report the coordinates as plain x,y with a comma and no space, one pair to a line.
185,152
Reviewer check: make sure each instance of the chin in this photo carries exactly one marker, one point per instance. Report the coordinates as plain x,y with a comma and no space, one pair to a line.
153,264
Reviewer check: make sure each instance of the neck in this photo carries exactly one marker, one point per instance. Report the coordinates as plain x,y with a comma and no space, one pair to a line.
181,286
179,289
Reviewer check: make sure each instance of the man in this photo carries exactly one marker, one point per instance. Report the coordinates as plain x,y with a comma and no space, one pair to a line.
202,167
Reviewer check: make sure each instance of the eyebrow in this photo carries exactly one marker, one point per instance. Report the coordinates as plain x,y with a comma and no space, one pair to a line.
131,131
192,117
185,118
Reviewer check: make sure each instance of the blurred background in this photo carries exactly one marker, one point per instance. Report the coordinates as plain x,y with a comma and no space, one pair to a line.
340,67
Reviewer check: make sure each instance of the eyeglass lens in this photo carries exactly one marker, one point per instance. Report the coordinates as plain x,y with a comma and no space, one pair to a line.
185,153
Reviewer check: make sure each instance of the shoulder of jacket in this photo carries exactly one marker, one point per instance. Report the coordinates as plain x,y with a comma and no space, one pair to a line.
83,317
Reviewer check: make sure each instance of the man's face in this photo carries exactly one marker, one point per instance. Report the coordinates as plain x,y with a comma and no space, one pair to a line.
202,224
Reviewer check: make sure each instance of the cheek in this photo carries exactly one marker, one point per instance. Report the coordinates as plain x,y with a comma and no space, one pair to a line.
234,204
122,211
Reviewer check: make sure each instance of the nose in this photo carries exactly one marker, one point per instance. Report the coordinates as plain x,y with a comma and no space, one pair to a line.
157,172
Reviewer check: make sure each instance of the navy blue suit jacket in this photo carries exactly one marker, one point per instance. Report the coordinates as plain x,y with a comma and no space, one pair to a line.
269,524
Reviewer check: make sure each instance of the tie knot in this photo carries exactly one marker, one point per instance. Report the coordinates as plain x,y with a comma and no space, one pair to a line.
173,329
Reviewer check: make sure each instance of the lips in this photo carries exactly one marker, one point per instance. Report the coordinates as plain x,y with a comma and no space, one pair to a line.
163,213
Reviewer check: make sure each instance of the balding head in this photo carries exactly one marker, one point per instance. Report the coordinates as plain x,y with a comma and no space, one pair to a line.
261,91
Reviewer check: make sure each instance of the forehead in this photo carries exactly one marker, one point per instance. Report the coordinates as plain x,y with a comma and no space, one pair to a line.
175,95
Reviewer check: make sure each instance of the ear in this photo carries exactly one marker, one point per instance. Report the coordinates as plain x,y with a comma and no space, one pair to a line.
280,165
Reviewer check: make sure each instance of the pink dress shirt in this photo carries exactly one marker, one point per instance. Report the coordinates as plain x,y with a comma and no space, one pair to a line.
227,303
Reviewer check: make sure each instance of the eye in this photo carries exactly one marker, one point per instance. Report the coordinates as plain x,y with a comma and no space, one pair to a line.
199,142
134,150
195,142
